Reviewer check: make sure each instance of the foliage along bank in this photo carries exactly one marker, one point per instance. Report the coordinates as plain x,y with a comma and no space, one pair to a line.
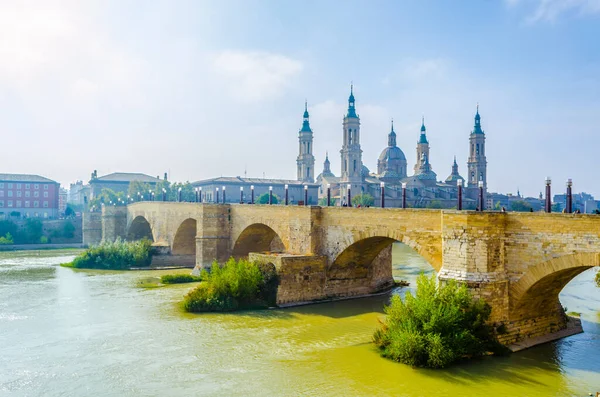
117,255
236,285
439,325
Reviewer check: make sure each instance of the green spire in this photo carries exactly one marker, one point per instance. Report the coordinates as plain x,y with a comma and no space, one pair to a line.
423,137
351,103
477,128
305,122
392,136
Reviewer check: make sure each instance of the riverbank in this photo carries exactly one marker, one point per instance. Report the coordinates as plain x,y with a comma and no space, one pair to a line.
39,247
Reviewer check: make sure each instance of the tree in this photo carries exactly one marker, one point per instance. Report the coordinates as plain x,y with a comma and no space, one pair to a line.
187,192
34,230
264,199
69,211
598,279
556,207
363,199
520,206
136,187
107,197
68,230
435,204
323,202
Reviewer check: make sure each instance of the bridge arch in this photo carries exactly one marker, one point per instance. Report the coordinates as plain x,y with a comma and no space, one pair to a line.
257,237
140,228
538,288
184,242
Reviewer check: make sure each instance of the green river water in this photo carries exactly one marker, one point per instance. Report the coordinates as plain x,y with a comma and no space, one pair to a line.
66,332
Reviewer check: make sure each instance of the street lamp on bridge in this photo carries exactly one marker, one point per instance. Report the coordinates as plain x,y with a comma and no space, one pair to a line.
459,185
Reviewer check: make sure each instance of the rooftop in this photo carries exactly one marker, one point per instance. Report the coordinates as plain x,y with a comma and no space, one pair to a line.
25,178
254,181
127,177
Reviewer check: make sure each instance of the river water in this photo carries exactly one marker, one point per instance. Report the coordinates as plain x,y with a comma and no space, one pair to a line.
66,332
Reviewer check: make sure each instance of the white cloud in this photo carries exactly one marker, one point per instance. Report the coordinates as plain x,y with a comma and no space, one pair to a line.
550,10
255,75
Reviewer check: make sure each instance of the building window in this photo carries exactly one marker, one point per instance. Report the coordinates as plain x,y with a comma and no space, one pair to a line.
45,187
19,193
27,204
10,186
1,185
36,186
27,193
478,149
354,165
18,185
1,203
36,194
45,215
10,193
1,193
45,194
10,203
36,204
481,176
45,204
18,203
473,176
27,186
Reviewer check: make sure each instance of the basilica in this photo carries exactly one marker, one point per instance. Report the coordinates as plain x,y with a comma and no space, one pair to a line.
423,189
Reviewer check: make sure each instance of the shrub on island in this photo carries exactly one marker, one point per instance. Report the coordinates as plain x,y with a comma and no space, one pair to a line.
117,255
237,285
179,278
439,325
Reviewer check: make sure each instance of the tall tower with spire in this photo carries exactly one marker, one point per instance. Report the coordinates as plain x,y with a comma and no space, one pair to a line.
477,163
422,148
351,152
305,160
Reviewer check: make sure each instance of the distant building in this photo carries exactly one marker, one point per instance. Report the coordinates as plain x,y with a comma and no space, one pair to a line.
118,182
76,194
233,186
584,202
28,196
62,201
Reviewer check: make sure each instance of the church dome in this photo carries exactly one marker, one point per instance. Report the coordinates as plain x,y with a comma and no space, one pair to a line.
392,153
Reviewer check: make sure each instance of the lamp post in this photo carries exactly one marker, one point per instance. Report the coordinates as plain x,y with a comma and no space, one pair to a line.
241,195
270,195
251,194
200,194
128,197
305,194
179,195
382,195
164,194
459,185
481,206
548,195
196,195
223,194
150,195
217,196
404,195
569,209
140,196
349,194
286,194
328,194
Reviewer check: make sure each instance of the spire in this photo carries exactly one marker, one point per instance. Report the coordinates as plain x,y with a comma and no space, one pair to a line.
327,166
423,137
454,167
351,103
477,128
305,122
392,136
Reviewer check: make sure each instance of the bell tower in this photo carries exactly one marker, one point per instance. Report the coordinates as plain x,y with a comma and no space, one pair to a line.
305,160
351,152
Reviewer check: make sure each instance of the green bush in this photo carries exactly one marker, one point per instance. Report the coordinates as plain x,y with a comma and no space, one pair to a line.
235,285
598,279
264,199
7,239
436,327
118,255
179,278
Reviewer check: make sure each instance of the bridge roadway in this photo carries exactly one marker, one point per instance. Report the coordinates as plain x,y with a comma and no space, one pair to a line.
517,262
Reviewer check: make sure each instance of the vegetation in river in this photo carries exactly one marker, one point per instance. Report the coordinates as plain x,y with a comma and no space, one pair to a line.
236,285
436,327
179,278
117,255
598,279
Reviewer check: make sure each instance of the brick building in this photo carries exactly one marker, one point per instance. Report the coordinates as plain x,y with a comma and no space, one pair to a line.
28,196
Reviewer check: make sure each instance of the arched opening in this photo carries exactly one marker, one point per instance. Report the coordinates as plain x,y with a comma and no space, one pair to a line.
184,242
257,238
374,264
183,251
140,229
535,305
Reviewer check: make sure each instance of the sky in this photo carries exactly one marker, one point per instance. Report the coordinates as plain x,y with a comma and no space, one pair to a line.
201,89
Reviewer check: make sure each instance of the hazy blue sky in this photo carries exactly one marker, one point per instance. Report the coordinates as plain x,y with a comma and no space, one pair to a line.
209,88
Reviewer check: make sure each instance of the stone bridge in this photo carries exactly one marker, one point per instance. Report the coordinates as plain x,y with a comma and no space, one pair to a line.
517,262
